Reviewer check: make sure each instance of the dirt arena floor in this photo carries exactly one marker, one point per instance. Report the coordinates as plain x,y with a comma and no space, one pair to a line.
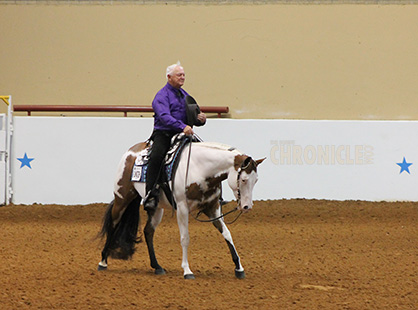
298,254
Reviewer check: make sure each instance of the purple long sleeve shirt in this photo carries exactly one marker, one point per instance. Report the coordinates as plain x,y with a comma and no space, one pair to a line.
169,107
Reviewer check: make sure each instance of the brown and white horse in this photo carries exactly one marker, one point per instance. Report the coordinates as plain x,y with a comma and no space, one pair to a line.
196,186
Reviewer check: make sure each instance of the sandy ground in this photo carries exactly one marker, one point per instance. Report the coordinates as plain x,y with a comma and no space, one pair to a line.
298,254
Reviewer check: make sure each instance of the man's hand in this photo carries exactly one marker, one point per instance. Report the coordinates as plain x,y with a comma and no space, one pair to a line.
188,130
201,117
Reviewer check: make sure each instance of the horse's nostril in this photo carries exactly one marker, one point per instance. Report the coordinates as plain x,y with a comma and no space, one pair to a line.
246,208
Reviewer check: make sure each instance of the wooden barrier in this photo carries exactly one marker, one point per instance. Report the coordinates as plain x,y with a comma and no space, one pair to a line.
103,108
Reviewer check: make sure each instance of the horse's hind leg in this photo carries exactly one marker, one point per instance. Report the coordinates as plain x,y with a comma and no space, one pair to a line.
107,230
153,221
120,240
223,229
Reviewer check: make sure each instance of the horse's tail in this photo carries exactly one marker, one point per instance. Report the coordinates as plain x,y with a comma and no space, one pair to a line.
121,240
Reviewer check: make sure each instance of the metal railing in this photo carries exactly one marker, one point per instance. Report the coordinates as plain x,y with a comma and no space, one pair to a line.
104,108
206,2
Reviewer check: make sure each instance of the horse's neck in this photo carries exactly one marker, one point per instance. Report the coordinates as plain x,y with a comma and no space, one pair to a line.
213,159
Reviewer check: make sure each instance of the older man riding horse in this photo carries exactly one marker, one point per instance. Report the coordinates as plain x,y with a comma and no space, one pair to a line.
196,185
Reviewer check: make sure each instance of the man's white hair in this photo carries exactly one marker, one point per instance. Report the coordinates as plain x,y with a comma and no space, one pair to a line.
170,69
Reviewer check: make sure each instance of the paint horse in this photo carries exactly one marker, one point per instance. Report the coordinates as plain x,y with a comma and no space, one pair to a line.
196,186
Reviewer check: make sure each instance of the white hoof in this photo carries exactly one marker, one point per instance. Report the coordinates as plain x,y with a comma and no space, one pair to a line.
102,266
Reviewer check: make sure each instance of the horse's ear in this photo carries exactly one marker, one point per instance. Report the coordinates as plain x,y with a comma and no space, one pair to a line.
259,161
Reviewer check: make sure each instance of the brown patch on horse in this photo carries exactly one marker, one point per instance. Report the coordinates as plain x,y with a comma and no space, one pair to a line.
126,188
139,147
202,196
239,160
214,181
194,192
209,205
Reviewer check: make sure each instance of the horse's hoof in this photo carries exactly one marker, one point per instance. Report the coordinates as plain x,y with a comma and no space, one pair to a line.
239,274
159,271
189,276
101,268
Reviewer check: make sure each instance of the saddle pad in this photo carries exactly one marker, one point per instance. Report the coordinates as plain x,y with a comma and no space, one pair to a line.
139,170
140,167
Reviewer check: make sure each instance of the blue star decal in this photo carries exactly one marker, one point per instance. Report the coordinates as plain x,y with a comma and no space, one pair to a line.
404,166
25,161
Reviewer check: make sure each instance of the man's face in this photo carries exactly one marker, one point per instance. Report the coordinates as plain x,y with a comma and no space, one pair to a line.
176,79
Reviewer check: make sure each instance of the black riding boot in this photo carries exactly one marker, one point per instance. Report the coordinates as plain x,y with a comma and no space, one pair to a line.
151,200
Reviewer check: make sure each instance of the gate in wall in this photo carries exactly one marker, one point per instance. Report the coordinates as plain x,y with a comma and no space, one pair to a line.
5,149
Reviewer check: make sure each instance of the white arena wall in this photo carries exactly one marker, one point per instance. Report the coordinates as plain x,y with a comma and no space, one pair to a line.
73,160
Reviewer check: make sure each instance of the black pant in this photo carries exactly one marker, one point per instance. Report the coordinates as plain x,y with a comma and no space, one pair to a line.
160,147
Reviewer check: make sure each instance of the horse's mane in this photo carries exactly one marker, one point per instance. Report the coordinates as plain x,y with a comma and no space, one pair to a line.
219,146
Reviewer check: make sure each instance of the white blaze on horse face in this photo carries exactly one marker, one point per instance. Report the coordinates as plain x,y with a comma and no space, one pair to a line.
246,185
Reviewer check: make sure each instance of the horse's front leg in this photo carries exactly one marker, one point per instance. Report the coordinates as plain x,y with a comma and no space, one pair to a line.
183,223
153,221
223,229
